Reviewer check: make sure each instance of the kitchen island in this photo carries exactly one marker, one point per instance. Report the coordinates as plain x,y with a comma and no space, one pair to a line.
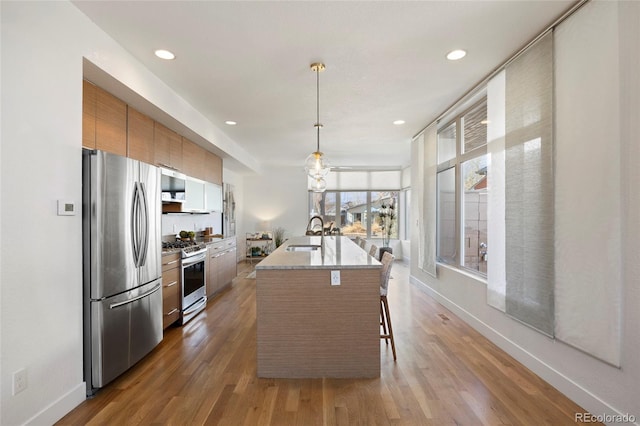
318,310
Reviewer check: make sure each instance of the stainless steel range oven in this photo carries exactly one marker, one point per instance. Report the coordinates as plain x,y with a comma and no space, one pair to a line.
194,294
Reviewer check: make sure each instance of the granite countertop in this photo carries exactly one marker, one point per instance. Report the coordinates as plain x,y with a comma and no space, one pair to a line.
338,252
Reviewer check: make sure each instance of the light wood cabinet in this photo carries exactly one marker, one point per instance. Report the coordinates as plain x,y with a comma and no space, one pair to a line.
213,168
88,115
167,147
170,289
140,143
193,159
222,265
111,123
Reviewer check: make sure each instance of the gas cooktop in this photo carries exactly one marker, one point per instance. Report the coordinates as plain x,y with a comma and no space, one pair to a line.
177,244
187,248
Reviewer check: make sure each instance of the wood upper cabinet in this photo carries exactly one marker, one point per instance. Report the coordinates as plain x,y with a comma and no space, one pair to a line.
213,168
193,159
111,123
167,147
88,115
140,144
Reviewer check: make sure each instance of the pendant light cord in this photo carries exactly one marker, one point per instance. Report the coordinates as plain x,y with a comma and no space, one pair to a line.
318,107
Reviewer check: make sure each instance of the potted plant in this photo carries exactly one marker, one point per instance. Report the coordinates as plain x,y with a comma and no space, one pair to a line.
387,217
278,236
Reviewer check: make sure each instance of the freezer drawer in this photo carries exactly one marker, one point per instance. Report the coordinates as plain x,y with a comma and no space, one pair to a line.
124,328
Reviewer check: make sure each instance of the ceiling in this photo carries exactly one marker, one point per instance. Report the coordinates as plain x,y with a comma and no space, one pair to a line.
385,61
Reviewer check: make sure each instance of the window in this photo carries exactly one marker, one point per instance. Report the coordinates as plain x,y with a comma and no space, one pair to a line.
358,213
446,217
323,204
462,190
354,211
474,213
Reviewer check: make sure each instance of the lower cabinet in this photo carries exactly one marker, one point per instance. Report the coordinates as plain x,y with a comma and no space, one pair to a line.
222,265
170,289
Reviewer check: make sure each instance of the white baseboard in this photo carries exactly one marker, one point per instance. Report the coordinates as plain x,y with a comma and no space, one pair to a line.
59,408
572,390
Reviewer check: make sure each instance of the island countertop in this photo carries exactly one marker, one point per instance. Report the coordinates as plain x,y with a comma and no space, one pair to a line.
337,252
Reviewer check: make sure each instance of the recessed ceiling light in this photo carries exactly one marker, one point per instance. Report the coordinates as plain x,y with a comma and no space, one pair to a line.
454,55
398,122
230,122
164,54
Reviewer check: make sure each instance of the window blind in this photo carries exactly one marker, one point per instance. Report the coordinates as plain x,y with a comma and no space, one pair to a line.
529,210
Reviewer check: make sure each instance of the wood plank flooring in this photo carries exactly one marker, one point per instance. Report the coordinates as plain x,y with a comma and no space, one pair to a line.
204,373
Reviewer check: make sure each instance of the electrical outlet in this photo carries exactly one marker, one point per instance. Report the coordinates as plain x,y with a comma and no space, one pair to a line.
335,277
19,381
175,228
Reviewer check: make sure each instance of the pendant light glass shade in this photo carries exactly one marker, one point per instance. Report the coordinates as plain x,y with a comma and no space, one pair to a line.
316,165
319,184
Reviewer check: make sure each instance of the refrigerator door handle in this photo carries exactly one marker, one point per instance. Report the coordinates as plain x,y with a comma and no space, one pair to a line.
142,296
135,240
144,219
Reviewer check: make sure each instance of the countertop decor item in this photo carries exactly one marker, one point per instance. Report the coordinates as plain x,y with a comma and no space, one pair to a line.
316,163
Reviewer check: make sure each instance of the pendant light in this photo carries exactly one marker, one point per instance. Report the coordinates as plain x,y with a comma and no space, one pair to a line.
319,184
316,163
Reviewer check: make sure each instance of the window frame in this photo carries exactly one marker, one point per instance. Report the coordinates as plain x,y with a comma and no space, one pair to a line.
457,163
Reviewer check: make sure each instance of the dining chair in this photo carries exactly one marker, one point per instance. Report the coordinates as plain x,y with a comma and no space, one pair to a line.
373,250
385,317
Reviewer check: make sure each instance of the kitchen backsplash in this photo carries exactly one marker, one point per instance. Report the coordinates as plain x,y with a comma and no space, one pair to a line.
172,224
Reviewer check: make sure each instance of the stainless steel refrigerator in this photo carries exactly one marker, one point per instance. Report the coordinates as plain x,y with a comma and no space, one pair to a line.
122,264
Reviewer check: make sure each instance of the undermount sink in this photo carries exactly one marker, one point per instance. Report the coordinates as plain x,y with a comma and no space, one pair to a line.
302,247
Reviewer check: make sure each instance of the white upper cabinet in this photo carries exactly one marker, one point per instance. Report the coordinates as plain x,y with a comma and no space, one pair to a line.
213,197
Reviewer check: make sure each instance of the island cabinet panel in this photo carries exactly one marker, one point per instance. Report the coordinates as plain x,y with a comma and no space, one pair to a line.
307,328
140,136
213,168
111,123
167,147
193,159
88,115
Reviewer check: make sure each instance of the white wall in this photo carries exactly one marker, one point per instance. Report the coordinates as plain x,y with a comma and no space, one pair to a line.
593,384
41,282
43,45
278,196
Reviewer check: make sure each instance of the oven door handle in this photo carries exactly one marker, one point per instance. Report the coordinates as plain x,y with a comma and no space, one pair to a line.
194,259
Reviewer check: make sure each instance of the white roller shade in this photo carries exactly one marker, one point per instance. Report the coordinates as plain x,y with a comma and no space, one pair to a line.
588,182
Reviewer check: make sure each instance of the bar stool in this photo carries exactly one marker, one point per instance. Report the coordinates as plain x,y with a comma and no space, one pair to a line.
373,250
385,318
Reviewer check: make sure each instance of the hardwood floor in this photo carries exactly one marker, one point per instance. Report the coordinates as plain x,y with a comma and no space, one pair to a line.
446,374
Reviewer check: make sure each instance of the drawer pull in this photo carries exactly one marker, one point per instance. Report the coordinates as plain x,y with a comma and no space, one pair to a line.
172,262
173,311
172,284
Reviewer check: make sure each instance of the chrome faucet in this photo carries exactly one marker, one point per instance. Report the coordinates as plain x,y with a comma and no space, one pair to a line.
310,230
